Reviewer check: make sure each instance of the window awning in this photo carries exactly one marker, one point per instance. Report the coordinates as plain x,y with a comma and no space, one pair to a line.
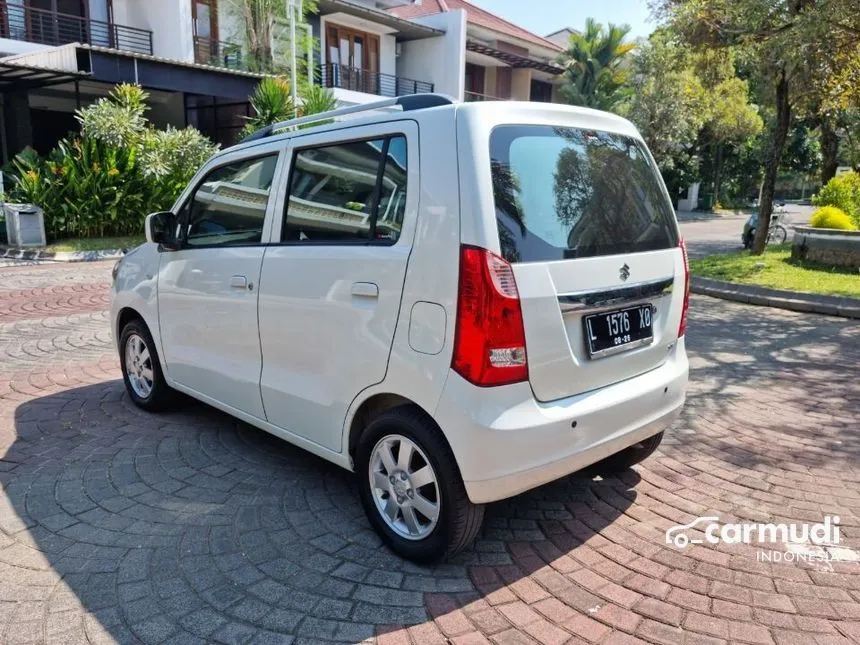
14,77
406,29
514,60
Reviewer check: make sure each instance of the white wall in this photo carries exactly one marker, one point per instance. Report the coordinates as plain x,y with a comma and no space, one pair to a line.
168,20
440,60
387,55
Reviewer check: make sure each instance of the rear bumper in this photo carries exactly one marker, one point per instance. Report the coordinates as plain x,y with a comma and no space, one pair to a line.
506,442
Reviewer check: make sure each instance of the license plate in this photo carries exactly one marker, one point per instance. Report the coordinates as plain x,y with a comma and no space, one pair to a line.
611,332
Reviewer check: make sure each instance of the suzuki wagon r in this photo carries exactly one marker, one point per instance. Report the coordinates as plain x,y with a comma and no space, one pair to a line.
458,302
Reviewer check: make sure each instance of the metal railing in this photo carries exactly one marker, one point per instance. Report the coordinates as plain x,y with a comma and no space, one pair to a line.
334,75
20,22
218,53
471,97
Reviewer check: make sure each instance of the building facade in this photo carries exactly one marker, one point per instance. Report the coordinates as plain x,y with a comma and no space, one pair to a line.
501,60
59,55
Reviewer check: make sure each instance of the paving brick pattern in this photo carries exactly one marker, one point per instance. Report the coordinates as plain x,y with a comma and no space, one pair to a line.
191,527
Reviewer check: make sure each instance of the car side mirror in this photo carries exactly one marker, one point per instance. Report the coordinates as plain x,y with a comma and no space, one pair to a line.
161,229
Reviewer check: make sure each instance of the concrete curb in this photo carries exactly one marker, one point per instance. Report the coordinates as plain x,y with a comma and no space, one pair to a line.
843,307
60,256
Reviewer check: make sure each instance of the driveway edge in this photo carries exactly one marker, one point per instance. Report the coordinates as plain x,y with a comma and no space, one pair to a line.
61,256
843,307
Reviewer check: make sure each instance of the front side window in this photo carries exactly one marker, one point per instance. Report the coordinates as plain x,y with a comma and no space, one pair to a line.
565,192
352,192
229,205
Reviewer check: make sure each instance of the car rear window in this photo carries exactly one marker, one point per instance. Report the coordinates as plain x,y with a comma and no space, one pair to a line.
565,192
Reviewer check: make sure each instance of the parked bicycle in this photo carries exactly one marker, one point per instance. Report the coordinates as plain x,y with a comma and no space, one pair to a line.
777,233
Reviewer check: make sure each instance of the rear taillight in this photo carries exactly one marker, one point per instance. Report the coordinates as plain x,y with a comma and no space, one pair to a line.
490,340
683,326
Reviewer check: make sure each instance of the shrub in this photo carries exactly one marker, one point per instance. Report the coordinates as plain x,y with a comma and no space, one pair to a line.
120,168
832,217
843,192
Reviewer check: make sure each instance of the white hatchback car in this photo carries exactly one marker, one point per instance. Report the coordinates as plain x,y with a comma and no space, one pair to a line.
459,302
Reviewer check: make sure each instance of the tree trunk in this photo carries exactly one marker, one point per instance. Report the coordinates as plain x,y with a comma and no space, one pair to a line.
771,164
718,168
829,151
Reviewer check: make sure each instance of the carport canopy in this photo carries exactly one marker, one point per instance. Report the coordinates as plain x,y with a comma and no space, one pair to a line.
14,77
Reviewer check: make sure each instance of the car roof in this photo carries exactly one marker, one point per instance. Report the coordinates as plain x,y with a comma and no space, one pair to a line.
490,112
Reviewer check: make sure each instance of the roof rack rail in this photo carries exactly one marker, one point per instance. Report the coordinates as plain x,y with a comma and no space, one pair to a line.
406,104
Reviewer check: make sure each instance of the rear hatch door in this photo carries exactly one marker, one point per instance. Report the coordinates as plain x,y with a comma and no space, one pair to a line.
586,223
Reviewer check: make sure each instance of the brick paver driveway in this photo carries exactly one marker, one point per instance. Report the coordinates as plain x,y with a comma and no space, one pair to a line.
191,527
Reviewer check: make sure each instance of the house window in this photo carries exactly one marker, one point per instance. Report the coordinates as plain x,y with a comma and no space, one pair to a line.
474,79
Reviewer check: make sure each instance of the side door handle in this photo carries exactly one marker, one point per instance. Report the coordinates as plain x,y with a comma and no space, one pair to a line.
239,282
365,290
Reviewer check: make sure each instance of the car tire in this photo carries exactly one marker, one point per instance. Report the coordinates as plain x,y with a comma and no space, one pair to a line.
141,369
637,453
405,430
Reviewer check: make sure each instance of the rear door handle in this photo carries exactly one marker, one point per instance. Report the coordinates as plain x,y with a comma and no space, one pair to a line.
239,282
365,290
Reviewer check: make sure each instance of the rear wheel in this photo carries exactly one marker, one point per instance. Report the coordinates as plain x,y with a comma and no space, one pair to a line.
141,369
631,456
411,488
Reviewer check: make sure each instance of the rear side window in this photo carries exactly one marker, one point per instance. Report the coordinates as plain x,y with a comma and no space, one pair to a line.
571,193
353,192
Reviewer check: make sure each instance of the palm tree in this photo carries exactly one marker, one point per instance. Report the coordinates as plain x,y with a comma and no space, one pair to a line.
272,102
595,67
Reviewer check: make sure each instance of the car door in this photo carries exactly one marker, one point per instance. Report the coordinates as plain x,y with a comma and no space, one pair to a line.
331,285
207,290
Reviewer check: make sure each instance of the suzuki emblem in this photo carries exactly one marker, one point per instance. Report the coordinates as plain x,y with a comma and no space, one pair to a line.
624,272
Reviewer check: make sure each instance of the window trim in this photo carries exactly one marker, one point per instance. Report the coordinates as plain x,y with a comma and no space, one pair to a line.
377,191
183,218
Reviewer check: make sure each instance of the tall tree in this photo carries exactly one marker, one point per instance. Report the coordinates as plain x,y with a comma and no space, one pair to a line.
669,106
731,120
594,65
794,47
260,20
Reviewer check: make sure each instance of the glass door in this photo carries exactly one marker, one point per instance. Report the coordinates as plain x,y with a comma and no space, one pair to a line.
353,59
204,16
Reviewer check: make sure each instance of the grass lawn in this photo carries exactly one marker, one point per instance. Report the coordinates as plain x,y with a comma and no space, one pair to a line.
775,269
97,243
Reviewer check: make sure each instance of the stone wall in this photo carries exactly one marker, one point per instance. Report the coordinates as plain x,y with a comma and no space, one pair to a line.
827,246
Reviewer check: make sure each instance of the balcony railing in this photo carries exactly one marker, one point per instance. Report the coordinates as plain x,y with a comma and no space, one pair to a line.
335,75
218,53
20,22
471,97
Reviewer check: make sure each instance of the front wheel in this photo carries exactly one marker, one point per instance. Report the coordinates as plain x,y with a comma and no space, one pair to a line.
411,488
777,235
141,370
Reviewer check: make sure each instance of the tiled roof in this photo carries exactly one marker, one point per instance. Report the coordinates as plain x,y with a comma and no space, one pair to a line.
475,16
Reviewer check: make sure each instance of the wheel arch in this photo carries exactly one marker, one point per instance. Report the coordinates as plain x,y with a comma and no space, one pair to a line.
125,316
376,404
